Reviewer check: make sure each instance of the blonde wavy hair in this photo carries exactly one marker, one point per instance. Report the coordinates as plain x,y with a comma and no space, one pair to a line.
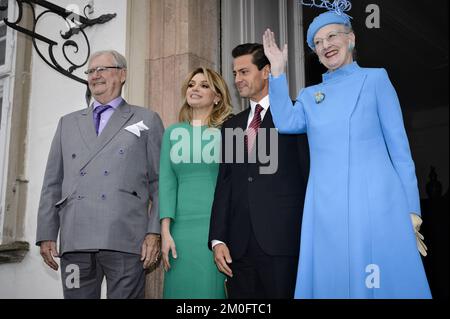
222,111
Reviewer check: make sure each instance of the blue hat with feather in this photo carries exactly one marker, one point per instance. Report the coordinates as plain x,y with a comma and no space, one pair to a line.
326,18
335,15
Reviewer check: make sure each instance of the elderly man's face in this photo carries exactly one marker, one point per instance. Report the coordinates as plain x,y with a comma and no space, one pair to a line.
106,85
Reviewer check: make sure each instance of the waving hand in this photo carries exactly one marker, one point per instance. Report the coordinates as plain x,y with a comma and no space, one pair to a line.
277,58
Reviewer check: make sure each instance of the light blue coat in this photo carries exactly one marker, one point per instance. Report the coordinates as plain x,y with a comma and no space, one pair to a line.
357,236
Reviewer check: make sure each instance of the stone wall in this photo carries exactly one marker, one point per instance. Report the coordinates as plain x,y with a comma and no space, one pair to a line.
184,34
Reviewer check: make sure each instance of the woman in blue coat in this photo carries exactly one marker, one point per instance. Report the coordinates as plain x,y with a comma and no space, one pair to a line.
362,212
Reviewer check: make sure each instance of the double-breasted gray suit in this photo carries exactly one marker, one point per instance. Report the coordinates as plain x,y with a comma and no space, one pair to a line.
97,190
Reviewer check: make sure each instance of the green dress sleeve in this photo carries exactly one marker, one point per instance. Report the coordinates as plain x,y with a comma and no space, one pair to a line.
168,183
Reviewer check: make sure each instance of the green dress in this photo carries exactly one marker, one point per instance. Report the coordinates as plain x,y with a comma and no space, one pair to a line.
188,174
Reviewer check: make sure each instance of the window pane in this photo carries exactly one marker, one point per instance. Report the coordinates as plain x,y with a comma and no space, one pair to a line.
1,110
3,14
2,51
3,30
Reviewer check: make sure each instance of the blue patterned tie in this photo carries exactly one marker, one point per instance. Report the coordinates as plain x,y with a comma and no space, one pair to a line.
98,114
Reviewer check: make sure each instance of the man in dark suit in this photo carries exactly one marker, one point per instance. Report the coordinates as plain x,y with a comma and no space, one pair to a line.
257,210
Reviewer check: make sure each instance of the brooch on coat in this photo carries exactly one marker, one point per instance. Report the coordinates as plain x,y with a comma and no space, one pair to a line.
319,97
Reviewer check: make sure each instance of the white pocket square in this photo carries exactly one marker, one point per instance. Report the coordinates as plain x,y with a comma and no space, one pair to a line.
137,128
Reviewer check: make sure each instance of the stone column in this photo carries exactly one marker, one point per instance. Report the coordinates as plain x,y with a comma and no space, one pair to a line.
184,34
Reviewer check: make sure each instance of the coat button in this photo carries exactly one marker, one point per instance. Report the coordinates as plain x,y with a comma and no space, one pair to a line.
103,197
106,173
250,179
121,151
83,173
80,197
74,156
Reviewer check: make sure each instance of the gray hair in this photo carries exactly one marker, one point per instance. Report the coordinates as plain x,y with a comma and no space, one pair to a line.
119,59
349,29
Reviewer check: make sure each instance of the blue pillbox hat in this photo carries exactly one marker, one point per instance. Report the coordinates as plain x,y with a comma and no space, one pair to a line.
326,18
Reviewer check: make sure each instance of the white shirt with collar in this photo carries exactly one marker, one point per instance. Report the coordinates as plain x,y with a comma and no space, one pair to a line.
265,103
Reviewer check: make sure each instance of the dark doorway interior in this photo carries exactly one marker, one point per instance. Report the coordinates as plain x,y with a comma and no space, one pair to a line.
412,45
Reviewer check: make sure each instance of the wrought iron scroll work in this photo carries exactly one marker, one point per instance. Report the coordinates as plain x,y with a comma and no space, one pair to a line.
77,22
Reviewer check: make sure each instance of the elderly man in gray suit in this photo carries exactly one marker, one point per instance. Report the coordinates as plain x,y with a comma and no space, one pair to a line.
101,175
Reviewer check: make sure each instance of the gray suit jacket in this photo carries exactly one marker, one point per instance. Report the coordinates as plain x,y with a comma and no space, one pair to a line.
97,190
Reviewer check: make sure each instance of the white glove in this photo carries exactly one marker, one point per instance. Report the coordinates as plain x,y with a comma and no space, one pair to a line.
417,222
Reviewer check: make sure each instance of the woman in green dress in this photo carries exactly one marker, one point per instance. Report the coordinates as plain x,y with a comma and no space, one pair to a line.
189,166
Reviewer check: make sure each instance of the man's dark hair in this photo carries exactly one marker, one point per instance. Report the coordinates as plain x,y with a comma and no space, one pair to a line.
256,50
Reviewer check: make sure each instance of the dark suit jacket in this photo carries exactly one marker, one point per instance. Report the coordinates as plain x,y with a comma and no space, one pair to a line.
269,204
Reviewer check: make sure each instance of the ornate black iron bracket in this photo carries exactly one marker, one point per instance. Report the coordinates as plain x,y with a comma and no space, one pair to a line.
76,25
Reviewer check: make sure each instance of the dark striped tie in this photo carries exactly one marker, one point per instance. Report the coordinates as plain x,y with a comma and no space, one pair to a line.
252,129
